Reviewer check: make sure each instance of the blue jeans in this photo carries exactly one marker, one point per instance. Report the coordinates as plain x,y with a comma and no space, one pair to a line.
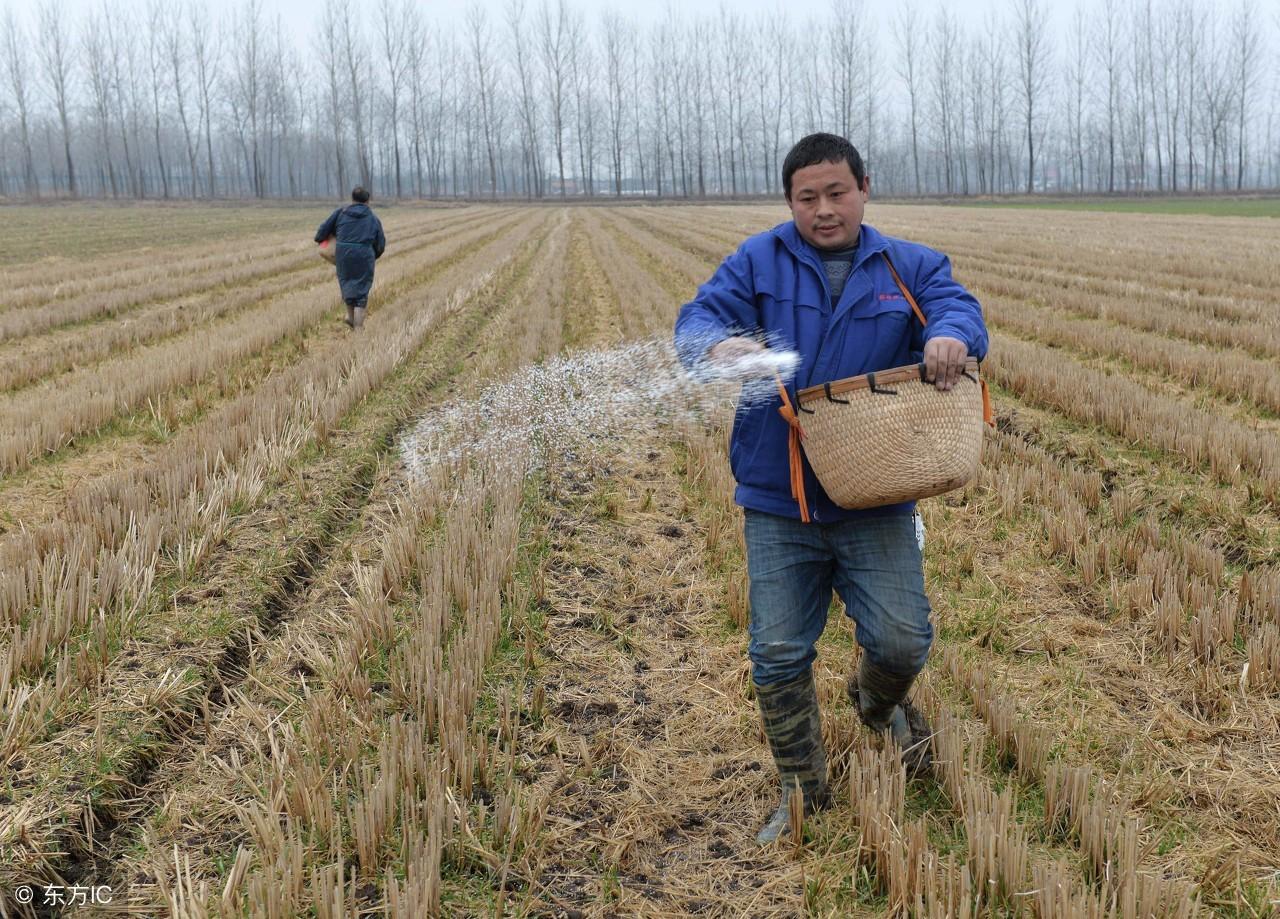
873,563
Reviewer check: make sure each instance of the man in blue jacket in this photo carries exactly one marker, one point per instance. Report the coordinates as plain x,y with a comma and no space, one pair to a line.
360,242
823,284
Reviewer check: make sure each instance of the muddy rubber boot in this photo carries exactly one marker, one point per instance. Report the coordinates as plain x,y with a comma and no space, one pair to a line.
351,316
357,318
793,726
881,700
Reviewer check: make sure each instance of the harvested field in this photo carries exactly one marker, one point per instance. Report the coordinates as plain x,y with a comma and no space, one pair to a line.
252,666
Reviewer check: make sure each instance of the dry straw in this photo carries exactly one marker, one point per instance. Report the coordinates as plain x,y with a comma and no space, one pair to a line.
38,421
386,349
168,316
1232,451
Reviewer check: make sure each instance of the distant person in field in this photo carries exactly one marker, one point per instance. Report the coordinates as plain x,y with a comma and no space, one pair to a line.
360,242
821,284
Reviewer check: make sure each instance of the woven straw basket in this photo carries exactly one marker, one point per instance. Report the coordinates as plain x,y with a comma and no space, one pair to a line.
889,436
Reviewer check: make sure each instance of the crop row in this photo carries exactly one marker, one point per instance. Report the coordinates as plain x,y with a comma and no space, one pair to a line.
116,535
69,239
38,422
1143,313
430,598
123,292
88,343
1233,452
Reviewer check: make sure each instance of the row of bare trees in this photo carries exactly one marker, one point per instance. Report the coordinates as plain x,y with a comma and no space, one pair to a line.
156,99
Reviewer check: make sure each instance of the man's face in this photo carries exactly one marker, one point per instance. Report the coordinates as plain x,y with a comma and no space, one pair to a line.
827,204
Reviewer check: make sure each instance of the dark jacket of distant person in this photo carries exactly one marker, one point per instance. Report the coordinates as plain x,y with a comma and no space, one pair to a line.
360,242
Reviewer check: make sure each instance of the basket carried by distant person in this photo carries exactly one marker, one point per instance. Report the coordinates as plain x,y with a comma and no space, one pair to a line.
329,249
889,436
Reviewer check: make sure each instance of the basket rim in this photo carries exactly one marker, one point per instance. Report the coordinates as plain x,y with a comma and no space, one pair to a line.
902,374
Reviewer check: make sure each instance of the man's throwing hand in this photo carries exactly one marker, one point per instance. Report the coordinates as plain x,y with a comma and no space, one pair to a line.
731,349
944,360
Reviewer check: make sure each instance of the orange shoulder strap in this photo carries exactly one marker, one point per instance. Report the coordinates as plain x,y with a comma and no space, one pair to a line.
794,435
903,287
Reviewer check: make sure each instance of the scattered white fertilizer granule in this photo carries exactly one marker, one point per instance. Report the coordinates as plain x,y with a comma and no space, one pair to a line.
759,365
587,402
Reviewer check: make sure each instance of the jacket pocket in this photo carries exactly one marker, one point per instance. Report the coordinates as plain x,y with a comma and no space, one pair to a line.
876,336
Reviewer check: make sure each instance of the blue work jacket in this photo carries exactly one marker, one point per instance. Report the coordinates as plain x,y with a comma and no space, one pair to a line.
360,242
775,286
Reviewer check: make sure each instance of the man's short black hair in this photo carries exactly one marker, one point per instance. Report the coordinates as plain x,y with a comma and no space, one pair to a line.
360,195
821,148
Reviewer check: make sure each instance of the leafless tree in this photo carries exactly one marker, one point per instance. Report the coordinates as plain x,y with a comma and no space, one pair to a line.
636,83
944,60
205,52
1218,90
121,40
448,69
907,37
16,68
775,93
142,97
660,87
1077,73
156,65
1135,114
842,51
285,110
681,82
1172,53
1246,43
553,34
175,50
415,73
1107,41
480,41
329,48
355,60
662,68
1191,30
395,27
615,38
97,66
735,53
531,149
1153,70
1031,43
581,69
57,55
976,108
248,96
700,90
